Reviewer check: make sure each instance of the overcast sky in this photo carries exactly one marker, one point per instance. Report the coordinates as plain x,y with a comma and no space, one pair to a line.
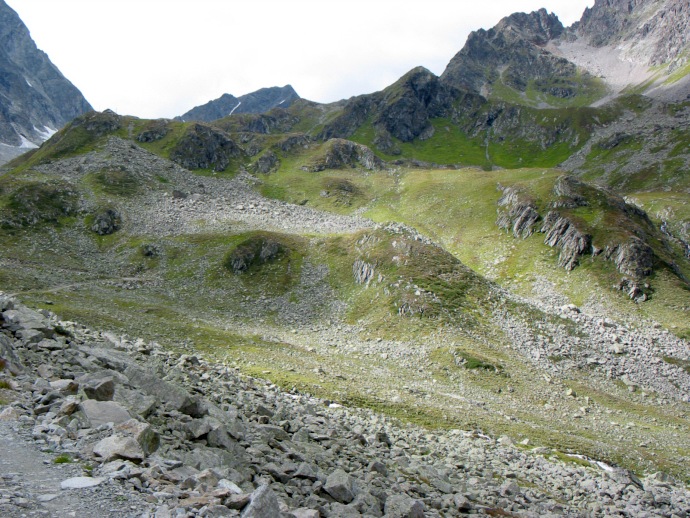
159,58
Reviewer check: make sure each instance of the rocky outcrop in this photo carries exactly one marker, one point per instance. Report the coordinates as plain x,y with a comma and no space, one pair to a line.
254,251
626,243
649,32
564,234
37,99
512,52
520,217
261,101
340,154
267,163
204,147
107,222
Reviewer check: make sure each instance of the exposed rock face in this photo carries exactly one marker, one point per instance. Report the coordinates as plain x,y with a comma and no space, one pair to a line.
627,243
37,99
341,153
413,100
513,52
563,234
521,216
260,101
254,251
204,147
651,32
107,222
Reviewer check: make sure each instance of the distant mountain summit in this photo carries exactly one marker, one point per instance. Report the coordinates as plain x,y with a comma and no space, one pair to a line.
512,54
260,101
37,100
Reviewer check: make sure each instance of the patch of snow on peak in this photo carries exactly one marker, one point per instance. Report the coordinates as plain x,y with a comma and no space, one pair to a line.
46,132
233,110
28,83
26,143
281,102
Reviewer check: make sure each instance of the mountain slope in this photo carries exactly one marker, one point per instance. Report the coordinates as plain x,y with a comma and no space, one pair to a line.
261,101
37,100
511,62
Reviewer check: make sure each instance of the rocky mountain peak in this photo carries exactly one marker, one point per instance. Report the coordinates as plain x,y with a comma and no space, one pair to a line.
653,32
512,52
259,101
37,99
537,27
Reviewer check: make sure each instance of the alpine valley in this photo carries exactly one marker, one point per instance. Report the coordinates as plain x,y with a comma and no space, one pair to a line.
464,294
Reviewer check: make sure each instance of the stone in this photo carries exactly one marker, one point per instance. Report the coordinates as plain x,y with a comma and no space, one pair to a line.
172,396
304,513
509,488
340,486
263,504
461,503
142,433
66,387
9,414
81,482
198,428
102,412
8,358
403,506
119,447
100,390
135,401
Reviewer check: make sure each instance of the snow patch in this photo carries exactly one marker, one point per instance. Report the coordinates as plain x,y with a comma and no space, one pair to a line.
281,102
46,132
233,110
28,83
26,143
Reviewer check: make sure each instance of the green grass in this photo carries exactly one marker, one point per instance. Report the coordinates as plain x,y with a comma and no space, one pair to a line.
62,459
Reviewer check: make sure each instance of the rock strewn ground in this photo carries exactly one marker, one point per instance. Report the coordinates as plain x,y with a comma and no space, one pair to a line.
198,203
173,435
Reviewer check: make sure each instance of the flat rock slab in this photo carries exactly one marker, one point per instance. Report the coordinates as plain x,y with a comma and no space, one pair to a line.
81,482
101,412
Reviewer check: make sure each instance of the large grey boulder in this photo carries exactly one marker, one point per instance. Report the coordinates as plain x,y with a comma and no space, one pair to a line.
8,358
102,412
402,506
172,396
263,504
340,486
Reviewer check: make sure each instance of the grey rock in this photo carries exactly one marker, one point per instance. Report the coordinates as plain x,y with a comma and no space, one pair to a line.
102,412
8,358
81,482
340,486
263,504
402,506
118,447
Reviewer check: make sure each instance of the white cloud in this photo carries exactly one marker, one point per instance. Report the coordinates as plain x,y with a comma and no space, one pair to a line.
158,58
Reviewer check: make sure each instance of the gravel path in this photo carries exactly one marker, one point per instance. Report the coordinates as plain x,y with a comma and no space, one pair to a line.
30,483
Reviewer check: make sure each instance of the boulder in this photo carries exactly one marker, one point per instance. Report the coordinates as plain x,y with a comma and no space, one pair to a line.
263,504
340,486
172,396
9,360
119,447
101,412
402,506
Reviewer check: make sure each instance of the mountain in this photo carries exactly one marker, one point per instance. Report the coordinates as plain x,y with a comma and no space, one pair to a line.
37,100
260,101
503,250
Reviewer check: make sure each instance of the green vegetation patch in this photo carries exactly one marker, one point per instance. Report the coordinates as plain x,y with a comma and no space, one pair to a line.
119,182
254,252
33,202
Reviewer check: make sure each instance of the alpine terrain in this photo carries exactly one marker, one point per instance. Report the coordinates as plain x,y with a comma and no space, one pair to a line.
463,294
37,100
